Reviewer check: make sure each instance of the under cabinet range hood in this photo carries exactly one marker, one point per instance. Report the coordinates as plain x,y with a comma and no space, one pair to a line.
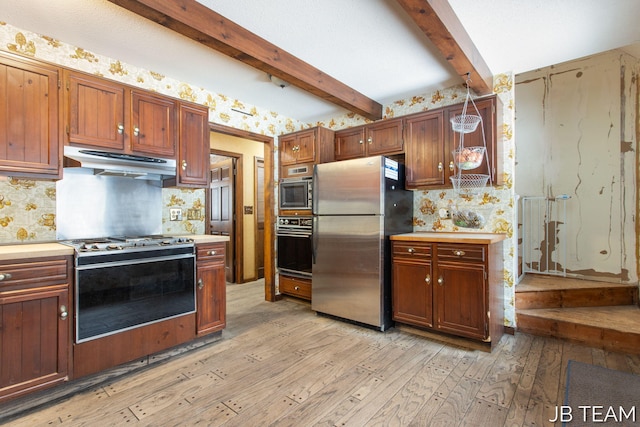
120,164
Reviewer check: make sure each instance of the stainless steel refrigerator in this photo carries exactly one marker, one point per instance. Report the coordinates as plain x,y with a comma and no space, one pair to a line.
357,205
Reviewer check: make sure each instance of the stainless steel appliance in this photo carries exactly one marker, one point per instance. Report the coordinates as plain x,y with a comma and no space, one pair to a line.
296,193
127,282
357,204
293,235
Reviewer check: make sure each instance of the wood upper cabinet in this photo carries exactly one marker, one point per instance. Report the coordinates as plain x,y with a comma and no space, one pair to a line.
425,150
30,125
488,109
35,325
211,289
153,124
193,152
299,147
95,111
380,138
454,288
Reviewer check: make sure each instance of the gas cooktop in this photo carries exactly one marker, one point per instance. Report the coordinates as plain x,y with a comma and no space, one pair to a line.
125,243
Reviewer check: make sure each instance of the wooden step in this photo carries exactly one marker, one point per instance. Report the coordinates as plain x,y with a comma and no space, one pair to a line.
539,291
615,328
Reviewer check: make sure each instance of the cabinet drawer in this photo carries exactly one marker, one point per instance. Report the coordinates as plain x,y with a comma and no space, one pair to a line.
14,276
411,250
296,287
210,252
461,252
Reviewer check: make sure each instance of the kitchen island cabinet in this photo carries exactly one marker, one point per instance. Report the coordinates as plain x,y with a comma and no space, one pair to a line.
450,283
211,288
30,123
35,324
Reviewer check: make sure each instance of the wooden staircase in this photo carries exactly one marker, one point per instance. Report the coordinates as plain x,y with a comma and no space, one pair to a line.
598,314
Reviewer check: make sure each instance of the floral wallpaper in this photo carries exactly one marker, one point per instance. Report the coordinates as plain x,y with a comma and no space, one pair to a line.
27,207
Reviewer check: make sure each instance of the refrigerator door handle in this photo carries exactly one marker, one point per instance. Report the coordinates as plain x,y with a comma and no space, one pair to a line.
314,239
314,191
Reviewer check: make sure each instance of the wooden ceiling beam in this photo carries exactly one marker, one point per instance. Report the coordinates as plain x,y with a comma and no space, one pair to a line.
439,23
199,23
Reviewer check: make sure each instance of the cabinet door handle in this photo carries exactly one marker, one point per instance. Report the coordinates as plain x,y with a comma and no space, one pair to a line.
458,252
136,131
428,279
5,276
184,165
361,142
440,167
200,284
370,140
63,312
440,281
451,166
411,250
211,253
297,288
120,128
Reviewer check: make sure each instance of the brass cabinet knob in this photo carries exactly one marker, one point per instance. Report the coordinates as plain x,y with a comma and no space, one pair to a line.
440,281
370,140
451,166
297,288
211,253
411,250
361,142
200,284
63,312
136,131
440,167
120,128
5,276
428,279
458,252
184,165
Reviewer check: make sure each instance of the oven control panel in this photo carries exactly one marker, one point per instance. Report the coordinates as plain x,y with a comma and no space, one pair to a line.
295,223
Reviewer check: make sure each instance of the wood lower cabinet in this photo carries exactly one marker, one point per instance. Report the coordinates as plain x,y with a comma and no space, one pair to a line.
449,287
295,286
211,299
35,324
30,121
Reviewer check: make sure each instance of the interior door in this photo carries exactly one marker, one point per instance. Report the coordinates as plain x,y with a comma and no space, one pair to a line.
222,212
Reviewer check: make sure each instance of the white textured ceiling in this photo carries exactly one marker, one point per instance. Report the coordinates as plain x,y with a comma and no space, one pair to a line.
370,45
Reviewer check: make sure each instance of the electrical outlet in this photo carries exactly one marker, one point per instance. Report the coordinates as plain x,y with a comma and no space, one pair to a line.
175,214
444,213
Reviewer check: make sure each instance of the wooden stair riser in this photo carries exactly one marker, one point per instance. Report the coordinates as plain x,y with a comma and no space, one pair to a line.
594,336
586,297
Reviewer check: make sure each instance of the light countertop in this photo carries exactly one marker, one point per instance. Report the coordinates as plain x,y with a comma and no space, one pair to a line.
36,250
446,237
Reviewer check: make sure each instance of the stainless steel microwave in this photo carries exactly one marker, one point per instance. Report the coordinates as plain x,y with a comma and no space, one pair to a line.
296,193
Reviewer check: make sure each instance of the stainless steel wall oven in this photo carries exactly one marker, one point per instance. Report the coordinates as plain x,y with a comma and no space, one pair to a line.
295,245
124,284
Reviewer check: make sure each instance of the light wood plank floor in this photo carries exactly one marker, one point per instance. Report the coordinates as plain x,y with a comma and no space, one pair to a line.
280,364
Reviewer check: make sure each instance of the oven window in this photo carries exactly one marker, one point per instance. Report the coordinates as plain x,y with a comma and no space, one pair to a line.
118,297
294,254
294,195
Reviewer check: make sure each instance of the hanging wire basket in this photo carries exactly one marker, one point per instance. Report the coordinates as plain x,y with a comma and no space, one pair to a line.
465,123
469,183
467,158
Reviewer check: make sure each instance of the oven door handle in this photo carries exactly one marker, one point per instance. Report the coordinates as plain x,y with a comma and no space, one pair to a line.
133,261
293,234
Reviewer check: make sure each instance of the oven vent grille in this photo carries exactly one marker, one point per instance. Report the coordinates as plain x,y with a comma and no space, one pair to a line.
299,170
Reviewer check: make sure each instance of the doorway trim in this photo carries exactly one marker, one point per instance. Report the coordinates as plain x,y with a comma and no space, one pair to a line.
269,201
238,202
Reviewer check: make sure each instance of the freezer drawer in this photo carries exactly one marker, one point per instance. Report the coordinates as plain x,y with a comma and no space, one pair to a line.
348,279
